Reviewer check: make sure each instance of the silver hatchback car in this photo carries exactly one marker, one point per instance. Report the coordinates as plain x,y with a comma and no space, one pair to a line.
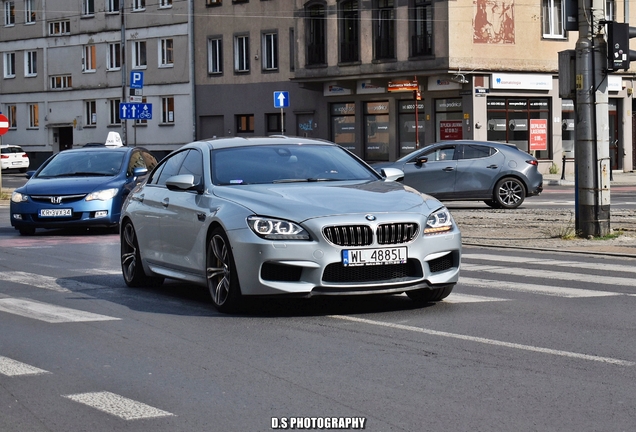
285,216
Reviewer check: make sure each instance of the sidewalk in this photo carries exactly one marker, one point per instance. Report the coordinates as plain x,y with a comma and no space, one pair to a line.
618,178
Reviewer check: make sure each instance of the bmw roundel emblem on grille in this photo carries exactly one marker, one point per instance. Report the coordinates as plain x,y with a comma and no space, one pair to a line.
370,217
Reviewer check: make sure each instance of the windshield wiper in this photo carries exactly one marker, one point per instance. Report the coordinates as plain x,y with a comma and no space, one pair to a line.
80,174
304,180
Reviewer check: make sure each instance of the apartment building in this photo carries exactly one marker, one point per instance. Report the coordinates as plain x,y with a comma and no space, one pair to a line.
66,68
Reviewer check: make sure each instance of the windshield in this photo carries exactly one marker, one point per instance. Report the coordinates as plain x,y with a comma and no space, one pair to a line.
66,164
286,163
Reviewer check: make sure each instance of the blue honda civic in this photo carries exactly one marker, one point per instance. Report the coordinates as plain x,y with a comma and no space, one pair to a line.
79,188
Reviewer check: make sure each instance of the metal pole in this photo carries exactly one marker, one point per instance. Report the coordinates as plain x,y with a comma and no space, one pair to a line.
122,9
282,121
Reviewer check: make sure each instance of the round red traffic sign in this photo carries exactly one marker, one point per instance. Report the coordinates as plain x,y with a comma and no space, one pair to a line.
4,124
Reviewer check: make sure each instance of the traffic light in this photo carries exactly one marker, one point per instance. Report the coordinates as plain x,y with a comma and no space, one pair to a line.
618,53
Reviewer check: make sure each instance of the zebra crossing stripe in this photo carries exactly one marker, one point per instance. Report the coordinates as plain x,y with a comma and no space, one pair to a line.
469,298
10,367
534,289
47,282
119,406
48,312
551,263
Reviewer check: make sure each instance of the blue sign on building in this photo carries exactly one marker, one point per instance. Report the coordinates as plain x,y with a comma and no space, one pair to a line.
281,99
136,79
135,111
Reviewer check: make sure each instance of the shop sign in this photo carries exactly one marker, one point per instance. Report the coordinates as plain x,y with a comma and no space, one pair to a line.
538,134
403,86
436,83
335,90
614,83
450,130
365,87
521,81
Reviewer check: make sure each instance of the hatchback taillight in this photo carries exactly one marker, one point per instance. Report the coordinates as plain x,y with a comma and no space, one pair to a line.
4,157
533,162
24,155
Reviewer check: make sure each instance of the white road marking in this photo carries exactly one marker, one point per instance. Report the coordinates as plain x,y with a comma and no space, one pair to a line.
494,342
550,274
10,367
47,312
47,282
548,262
119,406
535,289
468,298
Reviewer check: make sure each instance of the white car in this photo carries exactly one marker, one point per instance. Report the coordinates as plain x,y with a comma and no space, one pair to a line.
13,157
285,216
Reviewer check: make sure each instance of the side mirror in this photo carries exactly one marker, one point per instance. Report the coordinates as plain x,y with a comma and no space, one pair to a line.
140,172
181,182
421,160
392,174
29,174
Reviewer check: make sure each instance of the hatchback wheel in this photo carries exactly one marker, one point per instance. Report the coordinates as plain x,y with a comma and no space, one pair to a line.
131,267
221,273
509,193
430,295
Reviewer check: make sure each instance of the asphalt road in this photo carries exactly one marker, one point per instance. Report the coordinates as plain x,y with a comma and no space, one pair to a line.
527,341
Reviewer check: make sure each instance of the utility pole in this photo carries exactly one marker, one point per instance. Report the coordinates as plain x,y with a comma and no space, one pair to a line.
592,130
122,10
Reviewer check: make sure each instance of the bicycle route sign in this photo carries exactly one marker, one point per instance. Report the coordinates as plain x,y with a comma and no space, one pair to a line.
135,111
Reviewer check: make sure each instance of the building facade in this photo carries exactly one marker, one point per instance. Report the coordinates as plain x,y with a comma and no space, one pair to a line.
66,69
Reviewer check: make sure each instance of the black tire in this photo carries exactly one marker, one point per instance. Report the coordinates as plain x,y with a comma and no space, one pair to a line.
26,231
131,267
222,278
509,193
430,295
492,204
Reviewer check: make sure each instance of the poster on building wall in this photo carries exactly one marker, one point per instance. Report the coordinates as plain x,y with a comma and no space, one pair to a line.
494,21
538,134
450,130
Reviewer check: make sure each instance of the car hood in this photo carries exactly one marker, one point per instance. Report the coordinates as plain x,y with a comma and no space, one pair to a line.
66,185
302,201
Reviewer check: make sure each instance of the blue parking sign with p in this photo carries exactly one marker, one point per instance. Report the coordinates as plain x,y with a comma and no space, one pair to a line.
136,79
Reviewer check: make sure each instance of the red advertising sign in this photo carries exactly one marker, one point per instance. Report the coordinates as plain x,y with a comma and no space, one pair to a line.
4,124
450,130
538,134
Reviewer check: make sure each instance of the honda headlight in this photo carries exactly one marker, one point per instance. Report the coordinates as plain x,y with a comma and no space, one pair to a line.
17,197
276,229
438,222
102,195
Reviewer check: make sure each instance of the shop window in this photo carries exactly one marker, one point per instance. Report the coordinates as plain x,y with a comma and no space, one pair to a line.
409,123
343,125
449,119
524,122
376,139
244,123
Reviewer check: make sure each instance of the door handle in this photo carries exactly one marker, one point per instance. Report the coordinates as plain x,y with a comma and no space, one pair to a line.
448,169
492,166
165,202
138,198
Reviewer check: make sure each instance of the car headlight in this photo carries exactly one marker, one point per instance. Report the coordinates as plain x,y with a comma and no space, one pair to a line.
102,195
17,197
276,229
438,222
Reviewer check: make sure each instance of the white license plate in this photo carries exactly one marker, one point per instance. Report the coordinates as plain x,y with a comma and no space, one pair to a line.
380,256
56,212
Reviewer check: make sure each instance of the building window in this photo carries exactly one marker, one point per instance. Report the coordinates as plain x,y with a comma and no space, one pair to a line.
316,46
9,65
215,55
59,27
11,116
167,110
514,119
138,5
292,50
34,116
90,113
241,53
343,125
349,34
60,82
421,14
113,62
89,59
165,3
113,112
29,12
245,123
274,124
213,2
139,54
9,13
610,10
166,57
112,6
88,7
384,30
30,63
553,19
270,51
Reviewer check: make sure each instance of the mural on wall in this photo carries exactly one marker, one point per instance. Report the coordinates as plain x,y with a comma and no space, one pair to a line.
494,21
